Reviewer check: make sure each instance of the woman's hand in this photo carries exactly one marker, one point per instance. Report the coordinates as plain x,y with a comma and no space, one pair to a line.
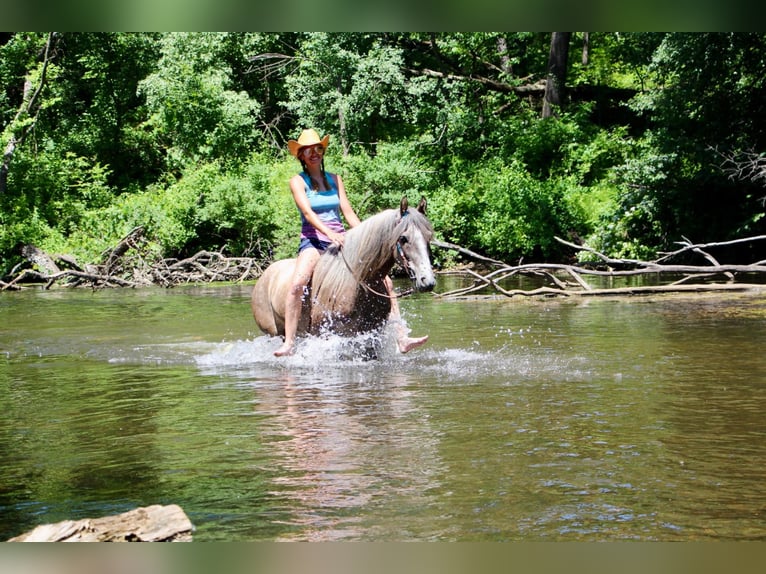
337,238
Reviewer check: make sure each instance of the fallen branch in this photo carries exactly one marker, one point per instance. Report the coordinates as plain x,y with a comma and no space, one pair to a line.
697,247
696,278
467,252
536,87
129,264
638,290
130,241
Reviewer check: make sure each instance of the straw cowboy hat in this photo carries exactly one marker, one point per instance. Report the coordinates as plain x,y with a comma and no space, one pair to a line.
307,137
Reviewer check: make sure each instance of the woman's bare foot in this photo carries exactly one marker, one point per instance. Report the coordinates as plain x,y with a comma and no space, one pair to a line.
285,350
406,344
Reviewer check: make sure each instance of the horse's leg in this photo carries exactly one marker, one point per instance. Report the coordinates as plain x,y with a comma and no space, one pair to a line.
403,340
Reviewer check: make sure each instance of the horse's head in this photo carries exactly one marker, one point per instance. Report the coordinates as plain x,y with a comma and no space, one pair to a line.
412,246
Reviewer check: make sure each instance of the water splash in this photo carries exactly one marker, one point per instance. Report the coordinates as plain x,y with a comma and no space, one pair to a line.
326,351
332,357
501,354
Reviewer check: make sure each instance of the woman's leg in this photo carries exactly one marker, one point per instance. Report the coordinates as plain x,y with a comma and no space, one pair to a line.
304,267
403,341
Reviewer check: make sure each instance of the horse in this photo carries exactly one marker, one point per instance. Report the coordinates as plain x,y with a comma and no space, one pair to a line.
346,295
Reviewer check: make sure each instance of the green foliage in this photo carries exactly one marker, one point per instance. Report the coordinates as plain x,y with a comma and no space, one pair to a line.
541,144
621,60
184,134
708,94
57,193
567,146
318,88
18,58
640,224
234,212
192,105
89,100
379,182
504,212
285,214
206,208
17,228
352,85
161,212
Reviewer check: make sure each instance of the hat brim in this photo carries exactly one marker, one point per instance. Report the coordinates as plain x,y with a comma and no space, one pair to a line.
295,147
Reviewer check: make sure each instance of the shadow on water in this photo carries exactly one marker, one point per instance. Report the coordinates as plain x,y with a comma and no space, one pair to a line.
635,419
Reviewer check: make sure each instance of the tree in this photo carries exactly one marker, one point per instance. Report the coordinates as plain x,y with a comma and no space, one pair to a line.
193,109
100,112
557,73
352,85
25,119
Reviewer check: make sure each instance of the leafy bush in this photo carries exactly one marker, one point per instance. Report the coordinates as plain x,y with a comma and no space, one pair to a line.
232,211
634,228
207,208
506,213
378,182
50,194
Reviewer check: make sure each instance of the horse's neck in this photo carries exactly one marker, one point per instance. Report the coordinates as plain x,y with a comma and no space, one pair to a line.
374,257
375,270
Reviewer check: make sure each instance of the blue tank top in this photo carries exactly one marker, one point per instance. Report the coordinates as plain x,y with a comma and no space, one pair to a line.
326,204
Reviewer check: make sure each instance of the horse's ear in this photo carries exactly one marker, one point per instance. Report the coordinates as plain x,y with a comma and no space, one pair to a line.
404,206
422,205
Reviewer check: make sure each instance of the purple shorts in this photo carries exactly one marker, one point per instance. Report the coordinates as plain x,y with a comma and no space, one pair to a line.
314,242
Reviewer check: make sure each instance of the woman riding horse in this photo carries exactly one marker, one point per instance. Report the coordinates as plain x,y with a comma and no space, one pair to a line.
321,197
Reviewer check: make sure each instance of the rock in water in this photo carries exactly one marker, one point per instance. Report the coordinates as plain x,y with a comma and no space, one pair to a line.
155,523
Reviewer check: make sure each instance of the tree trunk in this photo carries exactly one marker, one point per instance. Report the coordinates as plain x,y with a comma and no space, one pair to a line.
40,259
342,123
585,48
505,60
28,108
557,72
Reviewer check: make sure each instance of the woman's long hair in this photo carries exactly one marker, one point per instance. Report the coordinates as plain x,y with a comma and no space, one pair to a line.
315,183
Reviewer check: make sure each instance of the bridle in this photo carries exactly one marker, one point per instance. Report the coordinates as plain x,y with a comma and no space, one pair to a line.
402,259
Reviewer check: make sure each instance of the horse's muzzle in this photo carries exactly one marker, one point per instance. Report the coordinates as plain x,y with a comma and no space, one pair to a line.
422,280
424,284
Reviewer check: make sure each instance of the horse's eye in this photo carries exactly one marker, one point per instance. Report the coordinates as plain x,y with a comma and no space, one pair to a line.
403,239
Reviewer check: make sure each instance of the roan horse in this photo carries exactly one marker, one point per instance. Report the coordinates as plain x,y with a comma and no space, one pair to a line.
347,295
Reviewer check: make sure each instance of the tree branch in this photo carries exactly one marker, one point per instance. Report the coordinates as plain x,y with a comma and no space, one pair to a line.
537,87
691,282
126,266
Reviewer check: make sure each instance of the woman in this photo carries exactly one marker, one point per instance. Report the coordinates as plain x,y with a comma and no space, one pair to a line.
321,197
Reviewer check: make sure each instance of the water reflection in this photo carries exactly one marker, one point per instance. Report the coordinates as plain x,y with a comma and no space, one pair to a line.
351,446
716,429
637,419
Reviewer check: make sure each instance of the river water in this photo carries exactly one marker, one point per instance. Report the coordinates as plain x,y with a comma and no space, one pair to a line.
522,419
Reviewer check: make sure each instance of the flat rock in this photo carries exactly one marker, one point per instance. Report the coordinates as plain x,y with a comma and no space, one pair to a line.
155,523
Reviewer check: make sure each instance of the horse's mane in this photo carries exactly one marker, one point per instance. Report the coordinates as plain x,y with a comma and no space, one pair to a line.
367,250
